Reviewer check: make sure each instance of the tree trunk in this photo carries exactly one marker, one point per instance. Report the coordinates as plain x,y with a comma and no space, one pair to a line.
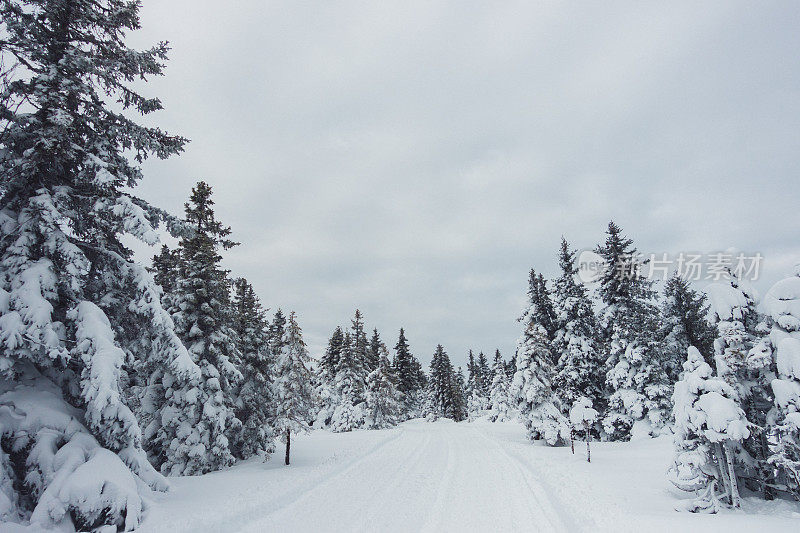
588,451
736,501
723,471
288,443
572,440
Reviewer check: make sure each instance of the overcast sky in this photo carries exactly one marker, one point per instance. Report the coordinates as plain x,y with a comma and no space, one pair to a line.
416,161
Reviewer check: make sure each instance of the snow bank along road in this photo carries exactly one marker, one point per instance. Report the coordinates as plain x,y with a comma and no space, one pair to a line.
443,477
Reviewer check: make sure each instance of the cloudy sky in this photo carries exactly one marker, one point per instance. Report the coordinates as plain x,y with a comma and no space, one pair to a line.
416,161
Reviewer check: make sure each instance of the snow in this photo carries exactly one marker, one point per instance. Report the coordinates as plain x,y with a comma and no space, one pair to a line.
447,476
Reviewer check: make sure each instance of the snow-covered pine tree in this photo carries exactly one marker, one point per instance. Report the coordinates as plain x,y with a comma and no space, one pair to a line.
531,389
74,307
709,426
294,394
326,376
782,305
684,323
202,315
484,375
350,385
511,367
408,372
254,399
579,368
477,403
636,375
373,350
165,269
384,401
458,398
747,366
498,397
441,382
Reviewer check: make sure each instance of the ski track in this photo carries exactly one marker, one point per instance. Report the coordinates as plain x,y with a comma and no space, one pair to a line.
422,477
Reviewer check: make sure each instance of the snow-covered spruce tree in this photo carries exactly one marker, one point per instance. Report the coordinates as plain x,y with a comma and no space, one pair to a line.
374,350
511,367
542,310
254,399
202,314
709,426
636,375
458,397
747,366
531,389
165,269
782,305
579,368
441,383
483,378
407,369
499,403
384,401
327,394
477,401
74,308
684,324
294,394
350,386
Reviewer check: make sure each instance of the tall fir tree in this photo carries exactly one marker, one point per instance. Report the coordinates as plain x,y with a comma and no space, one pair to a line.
254,402
531,389
165,268
458,397
202,315
384,401
640,387
294,394
374,351
579,366
441,382
350,387
408,372
75,308
484,375
333,352
684,324
499,404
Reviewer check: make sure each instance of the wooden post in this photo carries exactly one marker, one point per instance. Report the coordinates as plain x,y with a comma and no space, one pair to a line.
288,443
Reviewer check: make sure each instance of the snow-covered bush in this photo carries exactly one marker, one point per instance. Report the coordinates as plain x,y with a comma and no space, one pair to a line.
581,418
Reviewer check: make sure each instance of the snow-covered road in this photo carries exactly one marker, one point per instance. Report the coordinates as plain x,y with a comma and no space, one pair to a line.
446,477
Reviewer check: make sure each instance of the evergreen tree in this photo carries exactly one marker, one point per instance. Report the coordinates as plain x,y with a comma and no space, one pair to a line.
441,383
636,374
165,268
330,359
684,324
277,333
458,399
75,308
484,375
254,398
350,386
782,305
410,378
294,395
511,367
541,308
532,391
499,403
202,315
578,372
709,426
747,366
374,351
384,405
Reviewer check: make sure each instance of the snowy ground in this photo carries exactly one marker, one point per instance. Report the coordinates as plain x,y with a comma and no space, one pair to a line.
449,477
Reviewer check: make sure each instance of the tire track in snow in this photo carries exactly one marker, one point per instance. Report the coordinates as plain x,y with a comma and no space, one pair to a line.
239,518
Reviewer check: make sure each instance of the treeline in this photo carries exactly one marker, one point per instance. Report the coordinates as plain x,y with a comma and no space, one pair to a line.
710,367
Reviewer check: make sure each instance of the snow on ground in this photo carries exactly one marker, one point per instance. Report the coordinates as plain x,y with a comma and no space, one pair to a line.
444,476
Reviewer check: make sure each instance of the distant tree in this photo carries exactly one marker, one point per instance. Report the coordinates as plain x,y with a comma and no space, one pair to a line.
330,359
684,324
499,402
410,377
374,350
441,382
384,405
254,402
294,394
